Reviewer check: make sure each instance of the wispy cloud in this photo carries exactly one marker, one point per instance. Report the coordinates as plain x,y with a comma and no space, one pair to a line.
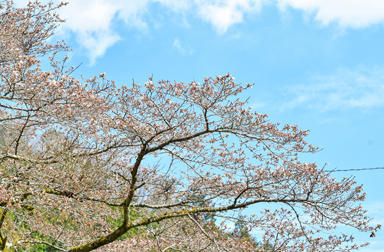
181,48
358,88
375,210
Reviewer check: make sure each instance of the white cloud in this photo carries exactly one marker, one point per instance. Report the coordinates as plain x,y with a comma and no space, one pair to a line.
359,88
92,21
346,13
224,13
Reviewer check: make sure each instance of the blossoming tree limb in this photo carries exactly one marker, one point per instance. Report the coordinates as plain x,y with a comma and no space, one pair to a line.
86,163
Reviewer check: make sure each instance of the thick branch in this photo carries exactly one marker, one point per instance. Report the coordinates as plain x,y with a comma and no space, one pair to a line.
169,215
132,187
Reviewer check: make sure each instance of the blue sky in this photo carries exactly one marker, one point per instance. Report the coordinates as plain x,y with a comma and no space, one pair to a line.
315,63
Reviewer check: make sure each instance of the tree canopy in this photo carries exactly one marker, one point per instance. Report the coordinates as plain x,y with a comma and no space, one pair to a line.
87,163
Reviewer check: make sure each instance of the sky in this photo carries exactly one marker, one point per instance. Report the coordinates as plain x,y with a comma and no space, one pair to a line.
315,63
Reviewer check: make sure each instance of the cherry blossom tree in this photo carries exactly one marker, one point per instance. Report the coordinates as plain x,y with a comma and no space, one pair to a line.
87,164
